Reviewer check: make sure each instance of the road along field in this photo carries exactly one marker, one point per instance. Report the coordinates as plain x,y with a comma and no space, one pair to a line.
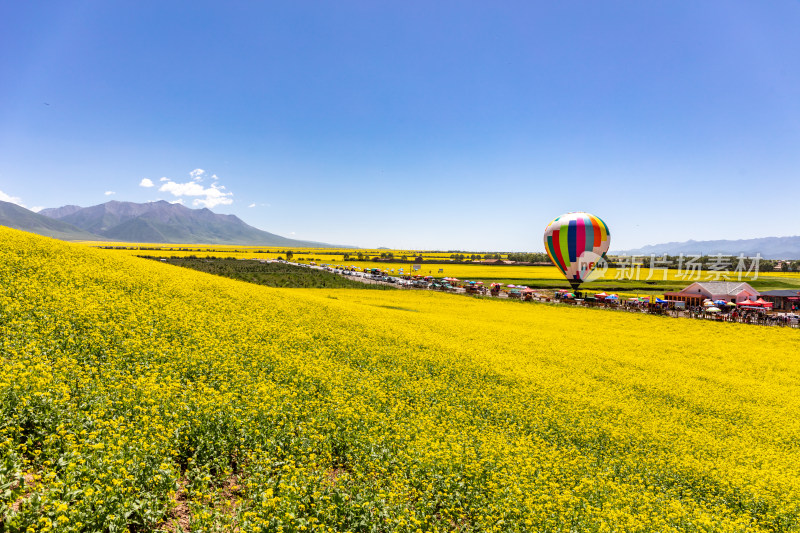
636,279
614,279
272,273
136,395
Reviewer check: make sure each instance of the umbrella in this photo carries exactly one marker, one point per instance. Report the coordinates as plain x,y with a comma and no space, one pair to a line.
731,304
712,309
720,302
660,301
612,297
600,295
511,286
708,303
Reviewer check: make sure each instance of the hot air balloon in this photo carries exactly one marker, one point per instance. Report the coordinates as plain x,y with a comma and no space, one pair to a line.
576,242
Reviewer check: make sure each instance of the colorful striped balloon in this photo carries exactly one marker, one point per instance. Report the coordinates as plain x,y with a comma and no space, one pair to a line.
575,242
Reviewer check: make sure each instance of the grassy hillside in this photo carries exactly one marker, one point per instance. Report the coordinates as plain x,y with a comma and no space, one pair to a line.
14,216
138,396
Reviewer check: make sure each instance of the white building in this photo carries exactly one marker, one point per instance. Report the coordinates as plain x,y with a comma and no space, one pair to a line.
730,291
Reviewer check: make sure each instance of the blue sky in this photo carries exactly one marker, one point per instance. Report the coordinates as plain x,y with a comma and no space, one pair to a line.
419,125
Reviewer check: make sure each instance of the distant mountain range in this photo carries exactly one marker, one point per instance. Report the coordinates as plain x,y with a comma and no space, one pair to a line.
163,222
153,222
17,217
768,247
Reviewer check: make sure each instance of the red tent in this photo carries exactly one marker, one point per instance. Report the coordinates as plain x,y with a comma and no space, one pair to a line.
763,302
748,302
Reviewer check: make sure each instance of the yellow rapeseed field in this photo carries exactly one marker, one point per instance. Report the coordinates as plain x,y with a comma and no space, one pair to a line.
137,396
327,255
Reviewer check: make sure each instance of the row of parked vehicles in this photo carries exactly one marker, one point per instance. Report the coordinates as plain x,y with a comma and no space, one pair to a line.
427,282
371,275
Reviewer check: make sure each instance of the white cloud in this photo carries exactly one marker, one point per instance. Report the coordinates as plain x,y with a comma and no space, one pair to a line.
13,199
146,182
251,205
178,201
164,179
17,200
203,196
109,193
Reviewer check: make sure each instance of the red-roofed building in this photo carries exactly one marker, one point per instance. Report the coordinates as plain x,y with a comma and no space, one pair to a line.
784,299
